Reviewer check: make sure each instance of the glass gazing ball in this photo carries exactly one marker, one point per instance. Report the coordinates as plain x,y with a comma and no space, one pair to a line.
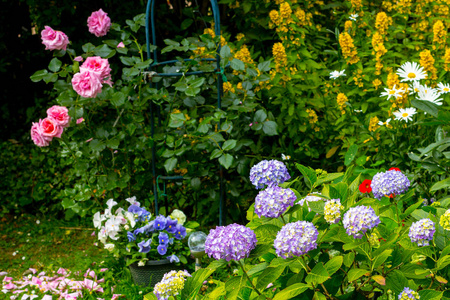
197,240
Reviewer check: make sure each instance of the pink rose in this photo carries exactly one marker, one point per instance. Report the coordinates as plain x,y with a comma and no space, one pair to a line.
78,58
80,120
54,40
50,128
121,45
99,66
60,114
87,84
37,137
99,23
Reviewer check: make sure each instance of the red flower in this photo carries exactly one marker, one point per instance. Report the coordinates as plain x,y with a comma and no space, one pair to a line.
365,186
395,169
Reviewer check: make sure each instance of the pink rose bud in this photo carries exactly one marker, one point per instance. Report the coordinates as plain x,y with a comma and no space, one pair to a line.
60,114
99,66
54,40
78,58
50,128
99,23
87,141
36,135
80,120
87,84
121,45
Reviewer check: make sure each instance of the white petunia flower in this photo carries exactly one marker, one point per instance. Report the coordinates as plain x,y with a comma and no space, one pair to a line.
353,17
392,92
98,219
111,203
109,247
411,71
132,201
337,74
405,114
443,88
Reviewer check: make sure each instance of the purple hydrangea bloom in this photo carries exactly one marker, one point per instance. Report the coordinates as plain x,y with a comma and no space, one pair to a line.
180,232
144,246
296,239
421,232
163,238
171,225
232,242
131,236
162,249
408,294
389,183
273,201
359,219
160,222
268,172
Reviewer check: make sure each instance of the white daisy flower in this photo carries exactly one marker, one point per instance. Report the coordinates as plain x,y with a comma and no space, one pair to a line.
443,88
285,157
411,71
336,74
414,88
357,110
405,114
381,123
392,92
353,17
429,94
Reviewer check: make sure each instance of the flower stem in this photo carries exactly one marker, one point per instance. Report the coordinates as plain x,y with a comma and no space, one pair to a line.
245,272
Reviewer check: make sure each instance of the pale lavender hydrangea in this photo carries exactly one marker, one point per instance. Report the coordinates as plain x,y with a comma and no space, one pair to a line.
421,232
171,284
359,219
408,294
310,198
268,173
230,242
273,201
389,183
296,239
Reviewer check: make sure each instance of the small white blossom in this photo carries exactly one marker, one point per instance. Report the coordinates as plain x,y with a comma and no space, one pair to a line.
353,17
337,74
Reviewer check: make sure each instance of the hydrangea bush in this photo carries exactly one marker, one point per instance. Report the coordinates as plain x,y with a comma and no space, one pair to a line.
383,247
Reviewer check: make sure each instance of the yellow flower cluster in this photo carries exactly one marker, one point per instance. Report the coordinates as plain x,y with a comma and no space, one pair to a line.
244,55
427,62
228,87
445,220
357,79
439,32
446,59
376,83
348,48
392,80
403,6
274,18
373,123
279,54
286,12
312,116
341,99
303,18
357,6
240,36
348,26
379,49
382,22
332,211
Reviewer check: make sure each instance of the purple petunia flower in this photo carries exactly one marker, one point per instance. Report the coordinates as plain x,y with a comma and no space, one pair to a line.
359,219
389,183
421,232
171,225
268,173
162,249
296,239
273,201
131,236
408,294
160,222
163,238
144,246
232,242
180,232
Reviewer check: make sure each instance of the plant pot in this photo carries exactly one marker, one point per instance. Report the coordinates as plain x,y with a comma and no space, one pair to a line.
151,273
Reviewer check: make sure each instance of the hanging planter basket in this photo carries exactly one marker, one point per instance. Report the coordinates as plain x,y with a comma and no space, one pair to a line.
151,273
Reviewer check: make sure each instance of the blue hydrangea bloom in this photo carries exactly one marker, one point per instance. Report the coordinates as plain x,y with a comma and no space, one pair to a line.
268,173
296,239
273,201
357,220
389,183
421,232
408,294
